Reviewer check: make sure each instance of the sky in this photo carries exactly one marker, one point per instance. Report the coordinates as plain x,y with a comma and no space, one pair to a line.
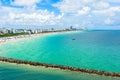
91,14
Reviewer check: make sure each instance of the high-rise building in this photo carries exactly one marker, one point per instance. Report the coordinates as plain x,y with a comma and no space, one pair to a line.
71,27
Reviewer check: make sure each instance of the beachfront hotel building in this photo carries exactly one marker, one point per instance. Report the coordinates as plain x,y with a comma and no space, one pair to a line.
4,31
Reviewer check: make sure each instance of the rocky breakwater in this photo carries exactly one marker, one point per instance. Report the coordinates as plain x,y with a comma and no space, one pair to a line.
98,72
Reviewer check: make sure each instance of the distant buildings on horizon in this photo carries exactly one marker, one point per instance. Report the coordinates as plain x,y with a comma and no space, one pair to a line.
4,31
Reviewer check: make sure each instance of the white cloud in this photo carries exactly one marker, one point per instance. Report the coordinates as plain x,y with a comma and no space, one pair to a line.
111,11
88,12
16,16
101,5
115,1
66,6
108,21
28,3
76,13
85,10
80,6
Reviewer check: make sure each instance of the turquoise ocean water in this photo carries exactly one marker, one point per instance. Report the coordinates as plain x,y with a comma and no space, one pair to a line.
98,50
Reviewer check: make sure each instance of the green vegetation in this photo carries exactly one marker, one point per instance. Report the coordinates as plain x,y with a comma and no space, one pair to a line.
18,34
9,35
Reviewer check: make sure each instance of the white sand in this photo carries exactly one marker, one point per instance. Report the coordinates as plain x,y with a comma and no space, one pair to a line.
21,37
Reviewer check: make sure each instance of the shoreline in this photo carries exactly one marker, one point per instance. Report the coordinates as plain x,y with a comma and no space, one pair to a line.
21,37
61,67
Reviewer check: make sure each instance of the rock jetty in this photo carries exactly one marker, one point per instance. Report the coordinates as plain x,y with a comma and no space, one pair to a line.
98,72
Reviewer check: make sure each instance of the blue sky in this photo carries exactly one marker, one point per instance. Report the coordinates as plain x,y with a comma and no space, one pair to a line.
93,14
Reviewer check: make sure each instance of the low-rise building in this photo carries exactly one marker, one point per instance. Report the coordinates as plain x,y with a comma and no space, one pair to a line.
19,30
4,31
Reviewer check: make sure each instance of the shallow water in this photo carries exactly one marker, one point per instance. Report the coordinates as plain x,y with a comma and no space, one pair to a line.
10,71
97,50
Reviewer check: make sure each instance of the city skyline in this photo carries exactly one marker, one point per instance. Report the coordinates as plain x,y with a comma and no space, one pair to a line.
93,14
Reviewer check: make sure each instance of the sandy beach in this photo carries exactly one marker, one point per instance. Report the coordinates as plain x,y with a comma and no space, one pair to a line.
32,50
21,37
